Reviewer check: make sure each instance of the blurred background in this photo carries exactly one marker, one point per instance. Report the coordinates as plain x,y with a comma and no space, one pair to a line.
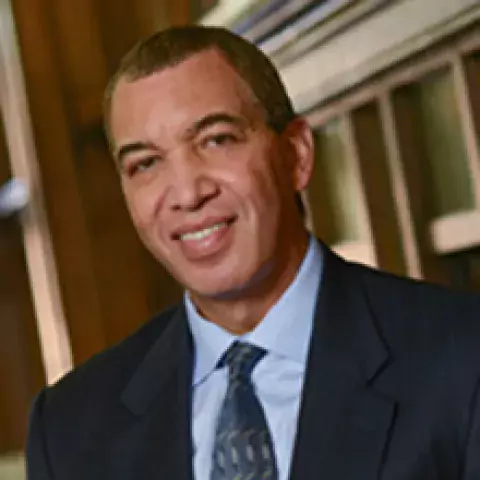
390,87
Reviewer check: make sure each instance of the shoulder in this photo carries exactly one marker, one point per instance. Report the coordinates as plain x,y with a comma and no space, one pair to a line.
105,375
395,295
402,294
424,316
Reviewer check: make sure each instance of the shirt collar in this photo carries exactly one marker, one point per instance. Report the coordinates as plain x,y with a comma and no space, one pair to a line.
284,331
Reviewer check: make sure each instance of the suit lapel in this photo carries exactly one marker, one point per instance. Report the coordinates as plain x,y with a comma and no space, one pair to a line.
343,422
157,443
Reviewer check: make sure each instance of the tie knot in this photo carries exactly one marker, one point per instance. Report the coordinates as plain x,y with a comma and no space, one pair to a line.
241,359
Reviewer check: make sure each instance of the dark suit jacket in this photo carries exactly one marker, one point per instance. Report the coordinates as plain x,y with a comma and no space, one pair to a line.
392,392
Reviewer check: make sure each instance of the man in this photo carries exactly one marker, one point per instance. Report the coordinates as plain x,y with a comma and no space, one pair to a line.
283,361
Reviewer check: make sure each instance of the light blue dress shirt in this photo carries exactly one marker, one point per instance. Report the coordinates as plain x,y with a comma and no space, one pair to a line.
285,334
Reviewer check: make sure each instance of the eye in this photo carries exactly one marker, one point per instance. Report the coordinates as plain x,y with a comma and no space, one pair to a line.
140,165
219,140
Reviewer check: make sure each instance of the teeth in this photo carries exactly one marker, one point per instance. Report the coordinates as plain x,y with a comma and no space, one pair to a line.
200,234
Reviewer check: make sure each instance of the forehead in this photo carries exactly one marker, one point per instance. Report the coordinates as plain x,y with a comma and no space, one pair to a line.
203,82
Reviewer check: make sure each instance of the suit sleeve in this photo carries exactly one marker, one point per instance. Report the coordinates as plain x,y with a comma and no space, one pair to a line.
38,467
472,466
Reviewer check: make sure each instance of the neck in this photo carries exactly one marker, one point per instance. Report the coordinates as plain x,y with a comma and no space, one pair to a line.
241,314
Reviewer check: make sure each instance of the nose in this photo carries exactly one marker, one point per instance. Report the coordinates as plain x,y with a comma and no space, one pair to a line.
192,185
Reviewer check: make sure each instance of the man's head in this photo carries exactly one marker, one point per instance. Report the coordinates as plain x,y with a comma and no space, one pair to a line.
211,157
170,47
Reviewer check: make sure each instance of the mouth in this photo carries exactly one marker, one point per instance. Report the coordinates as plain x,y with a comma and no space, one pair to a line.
203,231
206,239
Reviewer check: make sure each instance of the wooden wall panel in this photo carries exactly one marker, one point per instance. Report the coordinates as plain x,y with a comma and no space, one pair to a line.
179,13
77,44
110,285
21,371
117,257
53,137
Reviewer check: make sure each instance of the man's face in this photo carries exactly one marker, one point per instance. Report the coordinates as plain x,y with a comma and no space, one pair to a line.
210,187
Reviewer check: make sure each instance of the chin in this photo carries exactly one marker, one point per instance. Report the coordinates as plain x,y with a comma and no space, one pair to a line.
226,288
214,292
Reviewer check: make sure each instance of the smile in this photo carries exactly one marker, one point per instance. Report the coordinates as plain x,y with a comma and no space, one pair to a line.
203,233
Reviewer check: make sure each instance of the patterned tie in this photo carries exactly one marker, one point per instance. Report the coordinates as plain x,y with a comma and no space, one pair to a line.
243,448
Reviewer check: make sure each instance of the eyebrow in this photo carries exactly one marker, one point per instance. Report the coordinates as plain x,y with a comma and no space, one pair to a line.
129,148
213,119
193,130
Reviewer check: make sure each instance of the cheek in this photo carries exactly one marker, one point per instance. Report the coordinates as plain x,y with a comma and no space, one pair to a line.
141,206
264,181
259,198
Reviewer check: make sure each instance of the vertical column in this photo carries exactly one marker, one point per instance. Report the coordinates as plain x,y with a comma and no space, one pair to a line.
377,184
109,285
21,367
41,264
400,189
51,120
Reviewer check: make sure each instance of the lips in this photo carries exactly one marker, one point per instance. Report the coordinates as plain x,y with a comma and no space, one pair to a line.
203,233
200,230
205,240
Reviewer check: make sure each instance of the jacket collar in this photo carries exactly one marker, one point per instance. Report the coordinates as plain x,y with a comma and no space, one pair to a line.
157,443
170,355
344,422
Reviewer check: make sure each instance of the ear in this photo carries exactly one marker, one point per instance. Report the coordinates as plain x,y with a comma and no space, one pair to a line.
301,156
